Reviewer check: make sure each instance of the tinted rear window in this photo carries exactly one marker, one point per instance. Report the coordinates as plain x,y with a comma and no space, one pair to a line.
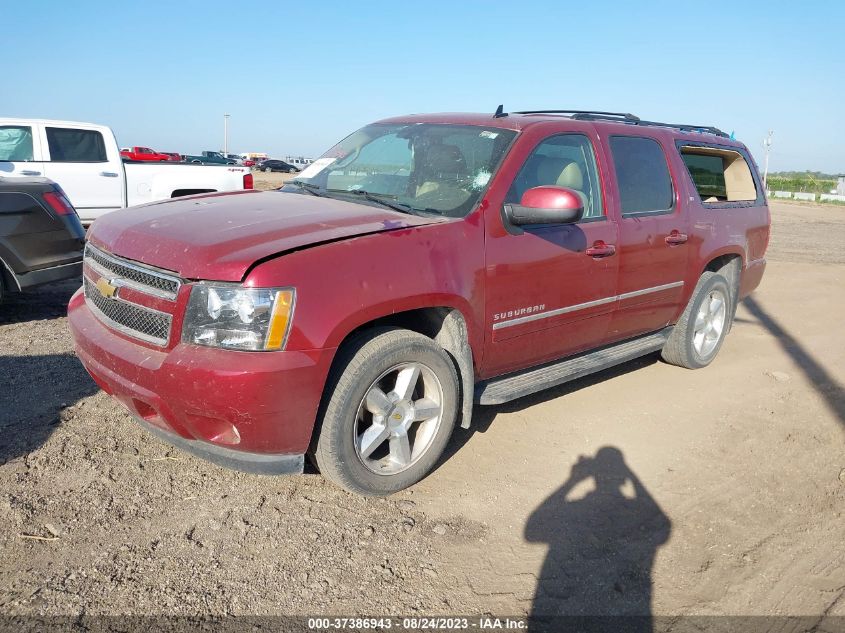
642,175
76,146
13,203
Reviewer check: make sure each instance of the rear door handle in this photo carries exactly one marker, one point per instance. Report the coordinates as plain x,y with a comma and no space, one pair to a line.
108,174
600,249
29,172
676,237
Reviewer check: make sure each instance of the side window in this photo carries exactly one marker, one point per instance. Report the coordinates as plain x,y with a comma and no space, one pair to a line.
75,146
719,175
642,175
565,160
16,143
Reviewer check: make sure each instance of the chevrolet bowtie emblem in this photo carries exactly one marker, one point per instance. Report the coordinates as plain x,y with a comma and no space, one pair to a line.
106,288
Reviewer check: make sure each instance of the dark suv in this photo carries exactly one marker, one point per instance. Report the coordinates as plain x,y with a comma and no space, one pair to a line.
422,265
41,238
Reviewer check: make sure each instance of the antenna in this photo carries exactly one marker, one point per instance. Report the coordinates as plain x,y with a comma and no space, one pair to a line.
500,112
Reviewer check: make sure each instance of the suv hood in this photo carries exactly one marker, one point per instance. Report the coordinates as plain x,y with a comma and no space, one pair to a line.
219,236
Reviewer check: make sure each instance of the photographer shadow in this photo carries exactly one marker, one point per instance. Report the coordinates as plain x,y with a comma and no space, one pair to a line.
602,547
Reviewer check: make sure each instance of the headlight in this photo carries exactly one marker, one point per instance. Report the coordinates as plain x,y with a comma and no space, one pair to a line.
239,318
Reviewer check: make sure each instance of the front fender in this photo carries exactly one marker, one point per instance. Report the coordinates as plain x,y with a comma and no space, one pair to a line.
343,285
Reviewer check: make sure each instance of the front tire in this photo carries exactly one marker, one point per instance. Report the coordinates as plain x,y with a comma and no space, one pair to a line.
701,330
267,170
391,406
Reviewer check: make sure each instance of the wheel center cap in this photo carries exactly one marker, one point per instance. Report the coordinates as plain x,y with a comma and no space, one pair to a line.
399,415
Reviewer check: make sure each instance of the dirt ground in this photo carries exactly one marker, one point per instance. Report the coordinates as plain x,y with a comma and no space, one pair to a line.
734,482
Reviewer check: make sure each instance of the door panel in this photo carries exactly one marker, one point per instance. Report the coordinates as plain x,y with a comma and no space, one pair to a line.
652,237
546,296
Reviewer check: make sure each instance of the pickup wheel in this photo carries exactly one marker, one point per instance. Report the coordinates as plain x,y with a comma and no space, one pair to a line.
699,333
390,407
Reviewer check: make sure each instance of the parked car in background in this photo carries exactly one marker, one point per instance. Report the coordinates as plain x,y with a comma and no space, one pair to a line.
210,158
273,164
299,162
422,265
174,156
84,159
144,154
41,237
248,162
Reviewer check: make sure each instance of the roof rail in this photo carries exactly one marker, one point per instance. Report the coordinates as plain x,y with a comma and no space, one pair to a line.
626,117
688,128
588,114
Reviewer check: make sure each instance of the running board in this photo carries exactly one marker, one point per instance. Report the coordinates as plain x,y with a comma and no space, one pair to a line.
525,382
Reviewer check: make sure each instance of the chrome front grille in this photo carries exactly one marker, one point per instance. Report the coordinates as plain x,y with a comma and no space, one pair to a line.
147,280
133,319
143,323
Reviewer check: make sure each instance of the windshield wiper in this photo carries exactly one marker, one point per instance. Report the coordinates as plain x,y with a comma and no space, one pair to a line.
378,198
310,187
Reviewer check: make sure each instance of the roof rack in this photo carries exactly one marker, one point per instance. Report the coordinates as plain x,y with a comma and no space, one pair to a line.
626,117
689,128
588,114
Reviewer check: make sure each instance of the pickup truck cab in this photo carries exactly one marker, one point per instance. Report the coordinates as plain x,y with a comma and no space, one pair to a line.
85,160
424,264
144,154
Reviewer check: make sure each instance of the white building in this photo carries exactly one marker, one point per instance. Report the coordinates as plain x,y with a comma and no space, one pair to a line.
840,186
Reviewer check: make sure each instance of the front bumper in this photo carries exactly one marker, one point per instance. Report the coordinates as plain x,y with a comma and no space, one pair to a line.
252,411
258,463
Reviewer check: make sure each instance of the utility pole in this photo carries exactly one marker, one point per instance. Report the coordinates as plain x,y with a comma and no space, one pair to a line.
767,144
226,135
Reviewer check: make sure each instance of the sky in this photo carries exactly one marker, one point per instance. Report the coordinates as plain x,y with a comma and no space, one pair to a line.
296,77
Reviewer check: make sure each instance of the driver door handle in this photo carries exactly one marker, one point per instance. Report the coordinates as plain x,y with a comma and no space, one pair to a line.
29,172
600,249
676,237
108,174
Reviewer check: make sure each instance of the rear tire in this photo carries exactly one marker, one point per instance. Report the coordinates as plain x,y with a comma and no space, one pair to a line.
701,330
389,411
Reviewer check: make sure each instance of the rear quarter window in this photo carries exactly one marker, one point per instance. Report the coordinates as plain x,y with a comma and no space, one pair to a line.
720,175
68,145
642,175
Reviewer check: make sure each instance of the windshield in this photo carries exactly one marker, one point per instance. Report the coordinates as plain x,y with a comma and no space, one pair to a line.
422,167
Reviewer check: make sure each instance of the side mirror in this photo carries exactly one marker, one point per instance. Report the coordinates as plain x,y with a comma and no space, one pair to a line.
547,204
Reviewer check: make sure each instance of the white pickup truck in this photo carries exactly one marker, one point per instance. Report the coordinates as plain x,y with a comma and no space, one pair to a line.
85,160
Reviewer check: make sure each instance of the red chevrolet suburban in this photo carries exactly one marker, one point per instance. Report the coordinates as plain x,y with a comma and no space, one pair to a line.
423,264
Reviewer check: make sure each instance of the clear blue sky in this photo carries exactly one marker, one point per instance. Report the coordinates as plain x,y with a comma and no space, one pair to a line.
297,76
